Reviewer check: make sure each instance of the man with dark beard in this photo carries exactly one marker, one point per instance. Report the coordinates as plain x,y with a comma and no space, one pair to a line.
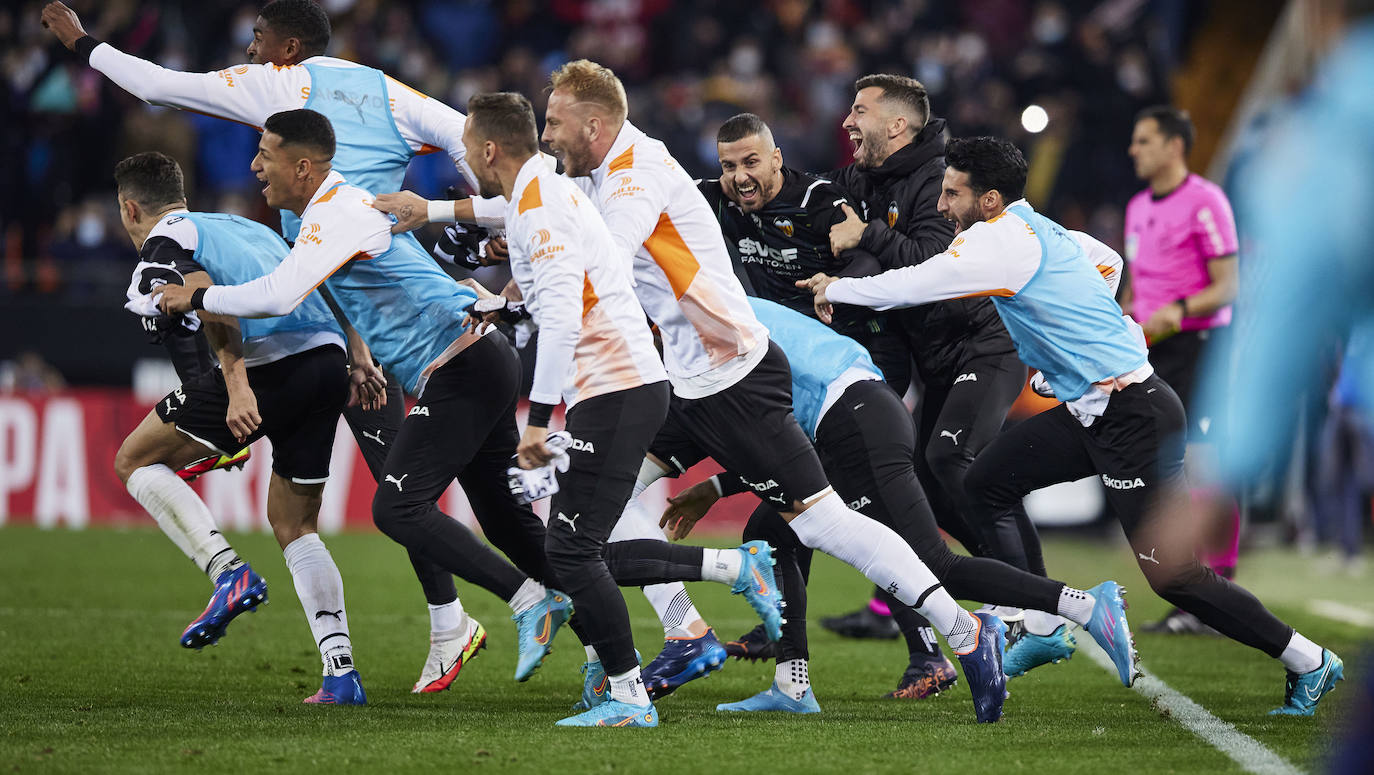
965,361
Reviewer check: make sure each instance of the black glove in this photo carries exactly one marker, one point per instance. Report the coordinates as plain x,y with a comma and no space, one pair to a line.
461,245
158,328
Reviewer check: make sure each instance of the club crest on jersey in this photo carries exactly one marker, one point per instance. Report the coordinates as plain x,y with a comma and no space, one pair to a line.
784,225
892,215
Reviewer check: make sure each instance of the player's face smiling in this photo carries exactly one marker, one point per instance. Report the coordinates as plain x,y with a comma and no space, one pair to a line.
751,171
866,125
957,201
565,132
267,47
273,167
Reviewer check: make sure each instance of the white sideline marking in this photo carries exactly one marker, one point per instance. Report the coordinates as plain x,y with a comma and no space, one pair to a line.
1346,614
1246,751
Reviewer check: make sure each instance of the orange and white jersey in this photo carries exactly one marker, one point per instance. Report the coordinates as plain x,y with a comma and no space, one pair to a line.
682,271
593,336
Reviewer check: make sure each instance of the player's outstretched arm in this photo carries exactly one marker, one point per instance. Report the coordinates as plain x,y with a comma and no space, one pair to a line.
64,24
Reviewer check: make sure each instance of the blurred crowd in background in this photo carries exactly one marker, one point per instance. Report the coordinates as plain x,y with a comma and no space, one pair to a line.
688,66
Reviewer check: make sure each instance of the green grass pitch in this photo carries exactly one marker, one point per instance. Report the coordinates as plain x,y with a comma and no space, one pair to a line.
92,679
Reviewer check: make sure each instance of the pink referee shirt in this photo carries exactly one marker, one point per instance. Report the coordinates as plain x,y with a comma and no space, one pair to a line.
1169,242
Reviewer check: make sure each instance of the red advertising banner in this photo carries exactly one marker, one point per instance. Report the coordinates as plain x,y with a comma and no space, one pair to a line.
56,470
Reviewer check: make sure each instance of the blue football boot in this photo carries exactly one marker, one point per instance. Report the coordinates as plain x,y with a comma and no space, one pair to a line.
236,590
536,628
983,668
1109,628
596,685
614,713
774,700
346,689
1030,651
680,661
1305,690
756,583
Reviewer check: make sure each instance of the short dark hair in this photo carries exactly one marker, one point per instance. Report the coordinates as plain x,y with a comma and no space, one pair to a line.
740,126
909,92
151,179
991,163
1173,122
304,128
505,118
303,20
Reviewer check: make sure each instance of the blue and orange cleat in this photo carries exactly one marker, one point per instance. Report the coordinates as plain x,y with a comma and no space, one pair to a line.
983,668
773,700
596,686
1109,628
1304,690
536,628
237,590
614,713
756,583
346,689
205,465
682,660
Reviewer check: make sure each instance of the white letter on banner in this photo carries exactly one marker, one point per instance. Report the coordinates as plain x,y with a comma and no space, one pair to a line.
61,491
18,434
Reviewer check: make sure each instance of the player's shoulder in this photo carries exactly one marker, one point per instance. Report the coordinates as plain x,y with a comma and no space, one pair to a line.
1205,191
179,228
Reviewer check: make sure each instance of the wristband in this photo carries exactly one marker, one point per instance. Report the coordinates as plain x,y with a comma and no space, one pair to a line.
84,45
539,414
198,298
715,482
730,485
441,211
1182,303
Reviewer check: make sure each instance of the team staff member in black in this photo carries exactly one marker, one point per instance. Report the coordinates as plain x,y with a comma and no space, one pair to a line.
965,361
776,221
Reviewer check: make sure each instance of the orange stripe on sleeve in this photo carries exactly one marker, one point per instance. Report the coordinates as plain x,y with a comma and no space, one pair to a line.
1002,292
530,199
624,161
589,298
672,255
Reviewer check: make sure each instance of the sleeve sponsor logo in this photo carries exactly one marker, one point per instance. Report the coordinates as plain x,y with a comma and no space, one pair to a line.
892,214
310,233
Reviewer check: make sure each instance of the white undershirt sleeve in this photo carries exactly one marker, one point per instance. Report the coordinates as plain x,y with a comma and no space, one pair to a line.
1107,261
247,94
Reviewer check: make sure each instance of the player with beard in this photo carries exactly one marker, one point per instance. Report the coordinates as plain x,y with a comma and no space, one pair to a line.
966,364
1119,420
381,124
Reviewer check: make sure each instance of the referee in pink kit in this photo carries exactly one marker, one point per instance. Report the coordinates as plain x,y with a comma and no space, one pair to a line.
1181,251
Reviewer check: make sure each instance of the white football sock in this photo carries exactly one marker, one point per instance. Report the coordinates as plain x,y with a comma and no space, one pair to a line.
448,616
591,654
881,555
629,687
722,565
1301,655
320,588
183,517
792,678
1076,605
529,595
649,472
1041,623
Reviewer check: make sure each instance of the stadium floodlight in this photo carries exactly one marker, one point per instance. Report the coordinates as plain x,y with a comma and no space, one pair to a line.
1034,119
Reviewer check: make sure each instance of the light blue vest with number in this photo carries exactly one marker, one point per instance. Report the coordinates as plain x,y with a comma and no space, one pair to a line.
817,355
369,150
1065,322
235,250
403,305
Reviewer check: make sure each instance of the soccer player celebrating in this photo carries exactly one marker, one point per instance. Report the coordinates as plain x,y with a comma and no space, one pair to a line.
1181,242
412,315
1119,421
282,378
381,124
595,349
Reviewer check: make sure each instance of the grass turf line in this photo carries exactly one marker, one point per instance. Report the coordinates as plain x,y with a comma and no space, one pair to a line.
92,678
